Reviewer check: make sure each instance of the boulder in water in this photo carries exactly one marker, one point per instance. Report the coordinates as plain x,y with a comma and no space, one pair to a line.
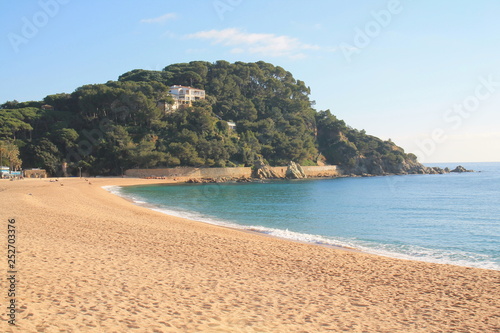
461,169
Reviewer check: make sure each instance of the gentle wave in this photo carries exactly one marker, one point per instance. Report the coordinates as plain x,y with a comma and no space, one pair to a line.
114,189
406,252
117,190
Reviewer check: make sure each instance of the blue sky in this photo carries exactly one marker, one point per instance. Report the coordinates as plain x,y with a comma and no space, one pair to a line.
424,73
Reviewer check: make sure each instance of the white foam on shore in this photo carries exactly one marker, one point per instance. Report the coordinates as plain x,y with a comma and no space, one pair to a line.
117,190
114,189
437,256
407,252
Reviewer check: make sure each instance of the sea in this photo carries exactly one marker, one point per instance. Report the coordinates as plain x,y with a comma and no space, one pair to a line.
450,218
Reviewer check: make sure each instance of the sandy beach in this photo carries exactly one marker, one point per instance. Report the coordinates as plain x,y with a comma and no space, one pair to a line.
89,261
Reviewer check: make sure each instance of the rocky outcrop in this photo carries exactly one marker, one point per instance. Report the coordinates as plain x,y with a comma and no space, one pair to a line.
421,169
461,169
262,171
294,171
200,180
364,167
378,167
218,180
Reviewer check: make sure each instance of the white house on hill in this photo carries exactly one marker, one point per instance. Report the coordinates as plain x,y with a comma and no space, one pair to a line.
185,95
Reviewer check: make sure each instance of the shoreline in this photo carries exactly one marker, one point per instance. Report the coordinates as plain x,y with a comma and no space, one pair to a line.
295,236
236,227
92,261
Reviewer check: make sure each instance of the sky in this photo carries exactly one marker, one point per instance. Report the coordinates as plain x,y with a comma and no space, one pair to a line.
425,74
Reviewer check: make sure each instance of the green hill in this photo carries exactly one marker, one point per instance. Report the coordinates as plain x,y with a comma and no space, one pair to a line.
104,128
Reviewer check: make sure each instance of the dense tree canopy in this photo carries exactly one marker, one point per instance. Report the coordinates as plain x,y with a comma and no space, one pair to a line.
105,128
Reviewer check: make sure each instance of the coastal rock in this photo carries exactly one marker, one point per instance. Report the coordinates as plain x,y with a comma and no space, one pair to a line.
414,167
201,180
438,170
369,166
262,171
218,180
434,171
379,167
294,171
243,180
461,169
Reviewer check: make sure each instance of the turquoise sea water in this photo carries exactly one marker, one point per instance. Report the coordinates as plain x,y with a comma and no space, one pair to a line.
451,218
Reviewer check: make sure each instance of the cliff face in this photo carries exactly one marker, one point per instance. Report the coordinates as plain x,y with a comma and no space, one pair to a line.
378,167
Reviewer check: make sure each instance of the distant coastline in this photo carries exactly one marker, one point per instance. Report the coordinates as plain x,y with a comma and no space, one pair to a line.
242,174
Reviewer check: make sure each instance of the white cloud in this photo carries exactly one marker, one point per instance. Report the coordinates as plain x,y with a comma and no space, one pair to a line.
160,19
264,44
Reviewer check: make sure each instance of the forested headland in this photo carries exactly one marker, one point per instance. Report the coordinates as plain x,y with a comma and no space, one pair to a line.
106,128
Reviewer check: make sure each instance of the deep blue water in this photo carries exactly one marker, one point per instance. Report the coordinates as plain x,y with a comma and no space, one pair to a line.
451,218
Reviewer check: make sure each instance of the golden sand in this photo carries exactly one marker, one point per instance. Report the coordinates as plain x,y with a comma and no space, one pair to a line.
89,261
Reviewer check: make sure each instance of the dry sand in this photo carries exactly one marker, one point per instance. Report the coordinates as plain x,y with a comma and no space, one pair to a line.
89,261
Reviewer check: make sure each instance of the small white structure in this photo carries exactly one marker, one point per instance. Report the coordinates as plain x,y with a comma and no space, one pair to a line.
185,95
5,172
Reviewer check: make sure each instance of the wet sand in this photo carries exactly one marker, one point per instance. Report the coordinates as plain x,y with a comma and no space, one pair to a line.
89,261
